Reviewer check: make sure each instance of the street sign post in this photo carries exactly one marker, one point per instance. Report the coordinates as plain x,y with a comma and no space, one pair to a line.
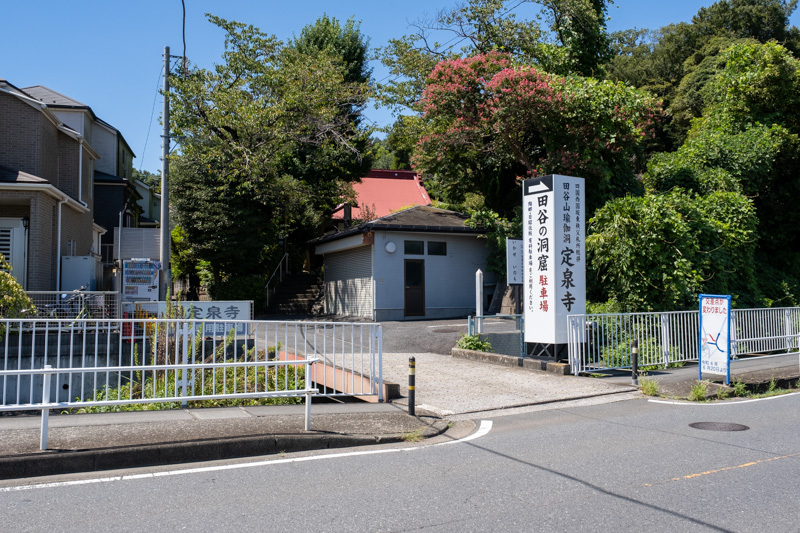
715,335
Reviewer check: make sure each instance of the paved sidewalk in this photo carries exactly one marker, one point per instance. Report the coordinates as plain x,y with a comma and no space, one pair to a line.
103,441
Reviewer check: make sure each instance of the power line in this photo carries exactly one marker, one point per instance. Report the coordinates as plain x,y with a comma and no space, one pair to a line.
150,125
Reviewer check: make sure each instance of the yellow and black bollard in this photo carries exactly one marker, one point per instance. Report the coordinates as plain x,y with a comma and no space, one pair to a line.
635,363
412,365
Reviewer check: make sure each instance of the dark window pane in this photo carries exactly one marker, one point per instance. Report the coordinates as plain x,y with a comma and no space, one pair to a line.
414,247
437,248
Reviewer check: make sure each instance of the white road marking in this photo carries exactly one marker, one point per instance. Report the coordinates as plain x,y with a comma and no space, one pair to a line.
737,402
485,427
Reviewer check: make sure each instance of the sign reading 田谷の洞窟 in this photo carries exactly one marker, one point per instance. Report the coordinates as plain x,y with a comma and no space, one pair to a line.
555,256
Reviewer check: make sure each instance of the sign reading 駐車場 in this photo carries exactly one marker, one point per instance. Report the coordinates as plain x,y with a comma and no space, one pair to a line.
715,333
555,256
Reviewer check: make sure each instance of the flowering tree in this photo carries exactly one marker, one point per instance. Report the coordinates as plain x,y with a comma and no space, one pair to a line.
489,123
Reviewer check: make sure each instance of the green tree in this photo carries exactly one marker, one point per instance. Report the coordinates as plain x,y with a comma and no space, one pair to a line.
489,123
265,147
659,251
723,198
658,61
152,179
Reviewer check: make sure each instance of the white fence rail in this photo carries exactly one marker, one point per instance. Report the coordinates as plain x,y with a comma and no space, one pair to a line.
78,363
603,341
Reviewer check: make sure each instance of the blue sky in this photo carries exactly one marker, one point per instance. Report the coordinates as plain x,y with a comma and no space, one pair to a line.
107,54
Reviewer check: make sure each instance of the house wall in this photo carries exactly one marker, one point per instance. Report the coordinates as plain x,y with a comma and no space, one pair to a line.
104,143
109,199
28,141
40,208
68,165
449,280
124,160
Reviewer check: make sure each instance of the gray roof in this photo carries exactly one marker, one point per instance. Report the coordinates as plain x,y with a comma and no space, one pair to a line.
420,218
51,97
9,175
55,99
107,178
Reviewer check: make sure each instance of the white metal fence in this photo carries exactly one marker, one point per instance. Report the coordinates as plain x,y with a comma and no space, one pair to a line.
68,364
604,341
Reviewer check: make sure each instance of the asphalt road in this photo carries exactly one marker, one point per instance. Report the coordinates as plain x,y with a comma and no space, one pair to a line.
625,466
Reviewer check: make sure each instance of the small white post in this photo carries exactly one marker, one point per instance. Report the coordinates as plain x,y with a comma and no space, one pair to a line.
184,329
478,301
45,411
308,411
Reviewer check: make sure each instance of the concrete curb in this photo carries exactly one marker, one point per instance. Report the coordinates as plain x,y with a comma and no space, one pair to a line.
68,462
527,363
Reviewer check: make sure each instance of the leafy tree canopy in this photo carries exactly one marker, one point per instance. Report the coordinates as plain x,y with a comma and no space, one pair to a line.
265,146
487,123
560,37
722,199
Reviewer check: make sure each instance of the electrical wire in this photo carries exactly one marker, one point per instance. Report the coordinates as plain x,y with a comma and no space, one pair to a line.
152,112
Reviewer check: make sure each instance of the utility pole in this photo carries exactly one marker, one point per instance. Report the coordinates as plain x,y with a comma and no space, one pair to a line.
165,275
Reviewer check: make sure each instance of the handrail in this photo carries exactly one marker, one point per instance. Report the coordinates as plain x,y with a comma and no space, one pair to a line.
278,270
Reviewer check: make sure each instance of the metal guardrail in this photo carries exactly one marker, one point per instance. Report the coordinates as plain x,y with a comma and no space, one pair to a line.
283,266
765,331
75,304
72,364
604,341
500,325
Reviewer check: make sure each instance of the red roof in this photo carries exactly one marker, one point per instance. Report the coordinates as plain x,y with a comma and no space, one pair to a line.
386,191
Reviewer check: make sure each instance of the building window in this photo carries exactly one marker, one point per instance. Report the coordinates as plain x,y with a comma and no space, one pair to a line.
414,247
437,248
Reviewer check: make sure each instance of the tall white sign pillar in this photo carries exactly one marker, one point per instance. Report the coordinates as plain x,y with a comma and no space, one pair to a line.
555,260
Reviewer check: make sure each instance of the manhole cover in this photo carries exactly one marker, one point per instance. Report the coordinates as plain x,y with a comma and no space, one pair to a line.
719,426
446,330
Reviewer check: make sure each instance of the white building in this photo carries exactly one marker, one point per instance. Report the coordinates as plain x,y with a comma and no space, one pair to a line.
417,263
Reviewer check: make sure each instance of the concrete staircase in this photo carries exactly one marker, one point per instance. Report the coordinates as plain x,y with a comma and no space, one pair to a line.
296,295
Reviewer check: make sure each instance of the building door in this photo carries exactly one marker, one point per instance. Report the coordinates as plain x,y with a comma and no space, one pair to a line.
415,287
13,246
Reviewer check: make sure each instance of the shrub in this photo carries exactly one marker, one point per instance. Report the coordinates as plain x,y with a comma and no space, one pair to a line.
474,342
13,300
699,391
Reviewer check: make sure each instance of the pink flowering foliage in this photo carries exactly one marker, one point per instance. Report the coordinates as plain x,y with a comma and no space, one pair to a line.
485,111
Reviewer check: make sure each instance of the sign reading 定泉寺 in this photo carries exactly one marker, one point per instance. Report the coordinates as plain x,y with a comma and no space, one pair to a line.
715,329
555,256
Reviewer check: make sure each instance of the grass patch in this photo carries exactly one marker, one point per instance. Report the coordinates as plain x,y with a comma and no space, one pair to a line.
699,391
414,436
648,386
